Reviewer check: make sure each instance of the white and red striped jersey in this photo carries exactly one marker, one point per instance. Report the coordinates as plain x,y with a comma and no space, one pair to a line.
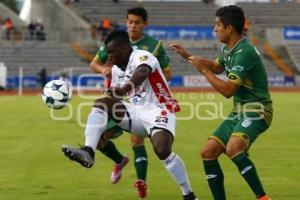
154,90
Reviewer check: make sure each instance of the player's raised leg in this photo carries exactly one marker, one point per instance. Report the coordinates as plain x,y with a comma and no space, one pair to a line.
96,126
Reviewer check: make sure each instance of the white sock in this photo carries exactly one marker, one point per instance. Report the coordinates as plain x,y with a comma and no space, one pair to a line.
175,167
96,125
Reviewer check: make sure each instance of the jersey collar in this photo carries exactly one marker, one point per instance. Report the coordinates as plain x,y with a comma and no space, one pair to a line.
134,42
228,52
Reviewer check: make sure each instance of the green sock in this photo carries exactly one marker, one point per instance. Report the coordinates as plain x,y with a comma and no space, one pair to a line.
248,171
215,178
112,152
140,161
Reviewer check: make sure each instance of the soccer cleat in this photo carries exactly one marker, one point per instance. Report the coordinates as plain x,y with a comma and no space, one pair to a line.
190,196
117,173
83,155
141,187
265,197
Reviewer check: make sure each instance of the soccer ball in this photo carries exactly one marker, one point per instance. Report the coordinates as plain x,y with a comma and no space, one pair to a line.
56,94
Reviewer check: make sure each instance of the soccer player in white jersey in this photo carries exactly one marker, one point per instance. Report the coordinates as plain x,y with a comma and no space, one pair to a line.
150,111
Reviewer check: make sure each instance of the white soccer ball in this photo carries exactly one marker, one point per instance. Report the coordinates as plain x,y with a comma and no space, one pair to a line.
56,94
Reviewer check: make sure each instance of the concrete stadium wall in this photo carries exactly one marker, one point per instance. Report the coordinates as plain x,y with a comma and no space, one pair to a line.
275,36
6,12
57,17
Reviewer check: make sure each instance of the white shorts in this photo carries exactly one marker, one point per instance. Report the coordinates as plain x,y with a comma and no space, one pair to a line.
144,120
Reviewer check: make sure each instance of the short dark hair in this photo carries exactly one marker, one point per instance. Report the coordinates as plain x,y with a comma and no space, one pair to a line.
119,37
138,11
232,15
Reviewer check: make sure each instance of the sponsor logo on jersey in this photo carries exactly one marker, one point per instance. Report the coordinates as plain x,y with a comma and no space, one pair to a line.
162,91
143,58
238,68
163,113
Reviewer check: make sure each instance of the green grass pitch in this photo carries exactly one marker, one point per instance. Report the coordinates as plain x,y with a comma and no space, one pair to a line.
32,166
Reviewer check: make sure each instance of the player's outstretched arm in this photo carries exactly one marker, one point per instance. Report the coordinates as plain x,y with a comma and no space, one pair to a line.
226,87
168,74
138,77
100,68
210,64
180,50
213,65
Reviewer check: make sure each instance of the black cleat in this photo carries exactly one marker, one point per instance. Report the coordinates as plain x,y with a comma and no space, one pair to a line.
80,155
190,196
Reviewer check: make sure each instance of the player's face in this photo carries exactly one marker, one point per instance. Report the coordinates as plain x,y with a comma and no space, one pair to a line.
222,31
118,55
135,27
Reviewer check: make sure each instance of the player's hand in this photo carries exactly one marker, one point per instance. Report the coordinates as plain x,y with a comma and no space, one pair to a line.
180,50
195,60
102,68
115,92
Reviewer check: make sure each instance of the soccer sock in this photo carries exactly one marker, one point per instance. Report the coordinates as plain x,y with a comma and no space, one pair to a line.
175,167
215,178
248,171
96,125
110,151
140,161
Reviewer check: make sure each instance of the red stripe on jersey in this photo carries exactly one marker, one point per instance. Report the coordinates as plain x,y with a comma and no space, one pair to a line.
163,92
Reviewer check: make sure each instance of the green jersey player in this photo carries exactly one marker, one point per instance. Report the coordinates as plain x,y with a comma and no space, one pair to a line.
252,113
137,20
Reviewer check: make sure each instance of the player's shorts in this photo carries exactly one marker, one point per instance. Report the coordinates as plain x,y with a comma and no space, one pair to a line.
248,127
146,120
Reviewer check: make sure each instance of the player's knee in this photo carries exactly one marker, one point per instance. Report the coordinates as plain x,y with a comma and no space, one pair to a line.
231,151
207,154
235,147
204,154
162,152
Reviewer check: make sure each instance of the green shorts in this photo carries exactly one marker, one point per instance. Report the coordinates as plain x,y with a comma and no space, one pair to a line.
248,127
112,126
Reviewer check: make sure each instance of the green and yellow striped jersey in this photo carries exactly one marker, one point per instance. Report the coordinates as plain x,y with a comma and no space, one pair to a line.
243,66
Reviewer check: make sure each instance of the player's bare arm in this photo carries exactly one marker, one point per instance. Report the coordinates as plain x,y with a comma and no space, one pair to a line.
168,74
138,77
213,65
226,87
180,50
100,68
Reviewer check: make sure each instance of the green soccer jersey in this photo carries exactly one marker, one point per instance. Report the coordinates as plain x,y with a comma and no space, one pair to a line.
146,43
244,66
